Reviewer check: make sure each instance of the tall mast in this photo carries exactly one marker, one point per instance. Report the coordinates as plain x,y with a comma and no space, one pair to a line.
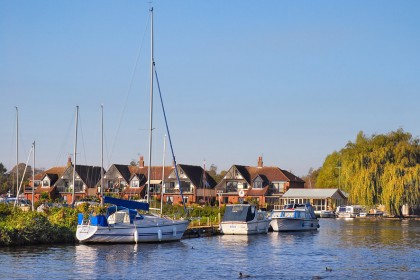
17,149
33,176
74,155
102,155
151,107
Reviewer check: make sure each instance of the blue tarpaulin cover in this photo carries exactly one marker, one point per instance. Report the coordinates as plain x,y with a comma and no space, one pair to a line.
131,204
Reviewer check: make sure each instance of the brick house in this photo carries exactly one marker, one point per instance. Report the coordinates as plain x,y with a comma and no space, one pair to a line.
87,182
45,183
261,184
196,184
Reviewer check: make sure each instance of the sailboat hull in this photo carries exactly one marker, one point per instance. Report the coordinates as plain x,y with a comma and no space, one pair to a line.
150,229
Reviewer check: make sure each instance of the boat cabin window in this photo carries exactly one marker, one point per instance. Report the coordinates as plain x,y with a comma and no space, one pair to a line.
242,213
119,217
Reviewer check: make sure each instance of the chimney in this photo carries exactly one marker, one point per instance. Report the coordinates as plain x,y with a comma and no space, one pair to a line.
141,162
260,162
69,161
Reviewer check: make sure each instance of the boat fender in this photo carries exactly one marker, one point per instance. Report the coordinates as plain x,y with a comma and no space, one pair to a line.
318,226
173,231
159,235
312,225
136,236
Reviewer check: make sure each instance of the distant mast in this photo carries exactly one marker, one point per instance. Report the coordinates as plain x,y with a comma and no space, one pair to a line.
17,150
33,177
102,155
151,108
74,155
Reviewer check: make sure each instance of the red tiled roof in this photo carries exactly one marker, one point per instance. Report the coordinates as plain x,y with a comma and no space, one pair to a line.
155,172
40,190
257,192
133,190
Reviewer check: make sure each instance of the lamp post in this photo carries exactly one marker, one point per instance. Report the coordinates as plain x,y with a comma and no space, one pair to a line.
339,176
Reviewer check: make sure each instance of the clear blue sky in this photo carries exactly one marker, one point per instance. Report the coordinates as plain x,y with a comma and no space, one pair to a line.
289,80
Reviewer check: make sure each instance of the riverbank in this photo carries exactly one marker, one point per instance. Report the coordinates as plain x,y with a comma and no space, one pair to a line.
58,225
19,228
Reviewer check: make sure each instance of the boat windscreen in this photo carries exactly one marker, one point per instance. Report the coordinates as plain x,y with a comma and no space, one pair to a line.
239,213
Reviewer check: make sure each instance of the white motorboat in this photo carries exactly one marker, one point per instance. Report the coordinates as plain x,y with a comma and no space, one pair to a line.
351,211
327,214
244,219
294,217
123,224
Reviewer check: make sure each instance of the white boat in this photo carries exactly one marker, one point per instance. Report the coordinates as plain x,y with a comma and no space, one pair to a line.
327,214
244,219
294,217
123,224
351,211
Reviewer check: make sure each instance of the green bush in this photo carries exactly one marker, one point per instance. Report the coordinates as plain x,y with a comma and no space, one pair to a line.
25,228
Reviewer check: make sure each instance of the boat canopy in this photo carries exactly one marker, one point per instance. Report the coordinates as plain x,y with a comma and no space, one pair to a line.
239,213
131,204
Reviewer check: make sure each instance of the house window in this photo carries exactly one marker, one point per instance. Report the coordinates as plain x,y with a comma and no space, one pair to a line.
169,199
231,186
185,200
134,184
186,186
278,187
46,183
245,186
258,185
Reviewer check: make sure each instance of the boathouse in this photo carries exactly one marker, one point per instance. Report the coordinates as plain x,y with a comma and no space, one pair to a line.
321,199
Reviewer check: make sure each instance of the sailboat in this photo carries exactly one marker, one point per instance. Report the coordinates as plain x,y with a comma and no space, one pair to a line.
122,223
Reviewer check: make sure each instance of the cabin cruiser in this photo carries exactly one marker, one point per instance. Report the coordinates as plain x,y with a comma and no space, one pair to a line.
351,211
244,219
294,217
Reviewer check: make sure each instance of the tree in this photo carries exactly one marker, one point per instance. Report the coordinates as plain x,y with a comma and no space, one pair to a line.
3,179
381,169
311,177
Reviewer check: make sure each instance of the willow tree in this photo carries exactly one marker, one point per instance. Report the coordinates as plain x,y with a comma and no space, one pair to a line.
381,169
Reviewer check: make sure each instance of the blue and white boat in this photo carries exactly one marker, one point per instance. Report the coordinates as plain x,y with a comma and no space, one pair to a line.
294,217
123,224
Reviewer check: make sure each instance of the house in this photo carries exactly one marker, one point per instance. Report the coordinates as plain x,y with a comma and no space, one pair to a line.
321,199
87,182
130,181
262,185
44,183
197,186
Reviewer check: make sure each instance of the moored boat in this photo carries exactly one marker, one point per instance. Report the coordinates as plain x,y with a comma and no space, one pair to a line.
294,217
351,211
123,224
244,219
327,214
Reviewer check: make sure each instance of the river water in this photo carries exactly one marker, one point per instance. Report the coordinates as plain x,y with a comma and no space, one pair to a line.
353,249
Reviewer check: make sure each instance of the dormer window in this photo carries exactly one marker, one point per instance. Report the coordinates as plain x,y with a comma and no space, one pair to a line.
46,183
258,185
134,183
